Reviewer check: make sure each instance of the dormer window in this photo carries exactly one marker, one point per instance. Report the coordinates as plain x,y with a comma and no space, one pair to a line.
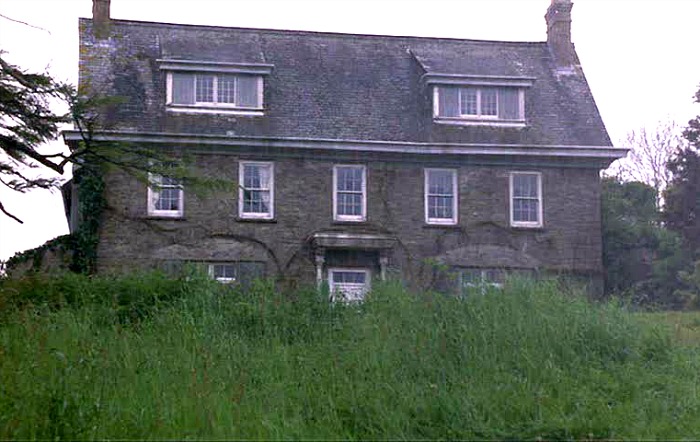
480,104
231,91
473,100
213,87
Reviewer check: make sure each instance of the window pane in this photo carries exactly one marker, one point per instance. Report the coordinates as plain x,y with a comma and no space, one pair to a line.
349,179
247,91
226,89
224,271
183,88
448,102
349,204
205,88
440,182
525,185
509,103
468,101
489,101
440,207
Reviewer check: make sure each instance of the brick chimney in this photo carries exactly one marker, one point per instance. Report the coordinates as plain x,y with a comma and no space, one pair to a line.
558,19
100,18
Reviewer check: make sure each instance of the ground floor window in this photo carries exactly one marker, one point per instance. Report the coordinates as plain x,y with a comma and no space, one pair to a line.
348,285
479,280
236,271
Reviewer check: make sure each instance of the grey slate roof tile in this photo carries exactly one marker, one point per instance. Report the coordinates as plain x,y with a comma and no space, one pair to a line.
339,86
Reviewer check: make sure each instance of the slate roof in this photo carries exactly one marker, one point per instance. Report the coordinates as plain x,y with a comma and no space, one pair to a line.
337,86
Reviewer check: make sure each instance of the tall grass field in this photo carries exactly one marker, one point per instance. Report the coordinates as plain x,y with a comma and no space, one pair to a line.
147,357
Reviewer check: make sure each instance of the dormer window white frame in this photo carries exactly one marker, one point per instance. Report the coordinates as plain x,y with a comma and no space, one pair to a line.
214,88
482,101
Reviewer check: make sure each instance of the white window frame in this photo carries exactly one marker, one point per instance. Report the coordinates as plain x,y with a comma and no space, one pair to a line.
153,193
367,286
478,114
241,190
213,106
455,198
540,199
224,280
352,218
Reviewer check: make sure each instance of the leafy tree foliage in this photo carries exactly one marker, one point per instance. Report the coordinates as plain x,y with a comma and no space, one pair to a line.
27,120
682,210
641,258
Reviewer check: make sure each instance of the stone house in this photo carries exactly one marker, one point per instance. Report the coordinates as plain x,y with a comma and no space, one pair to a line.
355,157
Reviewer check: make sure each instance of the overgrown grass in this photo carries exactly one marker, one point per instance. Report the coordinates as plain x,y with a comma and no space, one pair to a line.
148,357
684,326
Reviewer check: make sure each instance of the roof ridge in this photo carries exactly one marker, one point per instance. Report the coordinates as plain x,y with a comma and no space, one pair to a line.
320,33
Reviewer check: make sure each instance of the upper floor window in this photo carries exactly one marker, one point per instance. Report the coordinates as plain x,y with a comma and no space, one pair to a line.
215,91
526,199
165,196
256,190
349,193
480,104
441,196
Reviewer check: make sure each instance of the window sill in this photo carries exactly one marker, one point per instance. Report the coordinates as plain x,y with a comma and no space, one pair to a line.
348,222
166,217
256,220
442,226
214,111
480,122
528,228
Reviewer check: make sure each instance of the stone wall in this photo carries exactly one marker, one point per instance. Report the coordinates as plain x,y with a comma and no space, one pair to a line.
569,241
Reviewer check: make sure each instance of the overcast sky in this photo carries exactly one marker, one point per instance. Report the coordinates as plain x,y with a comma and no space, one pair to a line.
639,56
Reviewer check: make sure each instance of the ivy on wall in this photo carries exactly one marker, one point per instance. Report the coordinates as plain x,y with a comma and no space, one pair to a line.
81,245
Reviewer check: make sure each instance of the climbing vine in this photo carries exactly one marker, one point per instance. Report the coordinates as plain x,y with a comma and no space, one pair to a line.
91,205
81,245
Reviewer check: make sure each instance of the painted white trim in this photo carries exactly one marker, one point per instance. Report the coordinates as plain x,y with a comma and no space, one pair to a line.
436,102
455,197
151,193
455,121
476,80
221,111
600,153
214,66
353,218
367,286
540,205
241,171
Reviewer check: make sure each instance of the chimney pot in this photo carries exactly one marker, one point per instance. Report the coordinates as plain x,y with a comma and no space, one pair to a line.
100,18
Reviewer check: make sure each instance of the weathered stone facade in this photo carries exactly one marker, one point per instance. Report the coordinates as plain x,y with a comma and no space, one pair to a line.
211,231
330,99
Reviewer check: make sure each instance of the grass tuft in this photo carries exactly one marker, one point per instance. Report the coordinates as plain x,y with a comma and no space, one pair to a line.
145,356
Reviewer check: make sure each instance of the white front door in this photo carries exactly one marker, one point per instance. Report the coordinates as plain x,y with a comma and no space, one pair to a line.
348,285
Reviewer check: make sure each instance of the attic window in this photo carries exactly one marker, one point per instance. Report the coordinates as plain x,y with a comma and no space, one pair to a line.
209,91
479,104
